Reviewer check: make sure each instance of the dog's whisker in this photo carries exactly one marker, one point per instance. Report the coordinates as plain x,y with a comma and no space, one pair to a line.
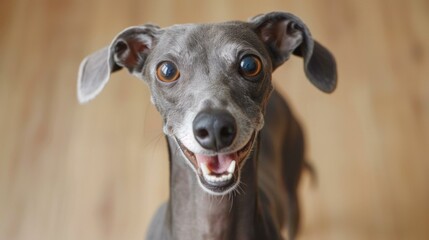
156,141
153,140
231,202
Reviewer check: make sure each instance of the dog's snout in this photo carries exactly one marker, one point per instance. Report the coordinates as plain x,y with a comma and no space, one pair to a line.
214,129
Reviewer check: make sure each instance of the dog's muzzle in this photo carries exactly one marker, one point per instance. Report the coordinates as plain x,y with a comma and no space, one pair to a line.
219,173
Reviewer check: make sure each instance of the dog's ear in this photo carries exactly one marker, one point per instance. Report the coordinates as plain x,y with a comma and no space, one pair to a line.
129,49
283,34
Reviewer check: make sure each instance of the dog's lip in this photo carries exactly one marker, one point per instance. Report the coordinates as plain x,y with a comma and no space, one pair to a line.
241,153
220,186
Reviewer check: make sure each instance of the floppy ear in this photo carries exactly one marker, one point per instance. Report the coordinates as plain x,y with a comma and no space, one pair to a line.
128,49
283,34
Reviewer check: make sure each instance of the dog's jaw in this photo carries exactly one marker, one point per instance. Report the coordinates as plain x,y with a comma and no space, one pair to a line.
224,182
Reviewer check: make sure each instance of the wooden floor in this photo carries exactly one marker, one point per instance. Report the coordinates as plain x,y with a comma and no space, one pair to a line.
99,171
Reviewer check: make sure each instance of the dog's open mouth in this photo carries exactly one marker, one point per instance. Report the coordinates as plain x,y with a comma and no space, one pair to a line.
221,172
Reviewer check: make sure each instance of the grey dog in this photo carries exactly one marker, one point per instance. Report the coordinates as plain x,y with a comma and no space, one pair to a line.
236,152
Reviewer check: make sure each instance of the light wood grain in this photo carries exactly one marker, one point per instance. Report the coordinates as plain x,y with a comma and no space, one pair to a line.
99,171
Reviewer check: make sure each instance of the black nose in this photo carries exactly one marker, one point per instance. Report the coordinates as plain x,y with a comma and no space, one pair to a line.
214,129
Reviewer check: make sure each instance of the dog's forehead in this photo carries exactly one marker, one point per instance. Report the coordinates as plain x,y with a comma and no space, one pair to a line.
223,38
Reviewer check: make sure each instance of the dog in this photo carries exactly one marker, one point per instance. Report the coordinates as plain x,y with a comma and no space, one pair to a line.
236,151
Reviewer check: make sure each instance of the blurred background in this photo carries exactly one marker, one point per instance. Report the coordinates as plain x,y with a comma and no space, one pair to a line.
99,171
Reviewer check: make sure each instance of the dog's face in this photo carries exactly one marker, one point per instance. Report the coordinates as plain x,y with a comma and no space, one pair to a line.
210,83
202,76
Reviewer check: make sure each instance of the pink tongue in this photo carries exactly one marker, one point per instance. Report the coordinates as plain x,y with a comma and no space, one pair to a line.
216,164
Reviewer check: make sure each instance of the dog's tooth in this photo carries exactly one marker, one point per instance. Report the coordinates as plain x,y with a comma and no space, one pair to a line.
205,169
231,167
221,179
207,177
215,178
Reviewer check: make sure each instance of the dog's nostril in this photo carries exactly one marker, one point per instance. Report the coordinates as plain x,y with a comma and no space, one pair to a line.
226,135
202,133
227,131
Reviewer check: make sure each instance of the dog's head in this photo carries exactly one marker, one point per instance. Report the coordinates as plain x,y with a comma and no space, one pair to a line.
210,83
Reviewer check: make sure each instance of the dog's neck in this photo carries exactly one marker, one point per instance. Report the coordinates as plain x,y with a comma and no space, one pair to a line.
195,214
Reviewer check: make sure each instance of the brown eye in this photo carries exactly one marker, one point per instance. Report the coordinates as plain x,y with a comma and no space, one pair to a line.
250,66
167,72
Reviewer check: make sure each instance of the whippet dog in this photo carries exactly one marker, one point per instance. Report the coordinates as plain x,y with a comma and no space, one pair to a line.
236,152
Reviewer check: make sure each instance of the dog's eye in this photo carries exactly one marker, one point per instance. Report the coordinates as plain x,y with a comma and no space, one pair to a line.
250,66
167,72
